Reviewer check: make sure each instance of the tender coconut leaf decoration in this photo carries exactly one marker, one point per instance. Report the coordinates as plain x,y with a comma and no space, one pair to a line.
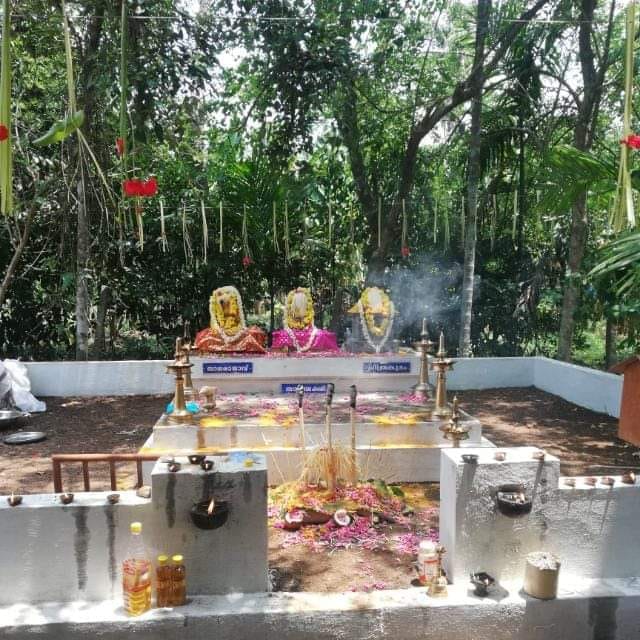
61,129
6,158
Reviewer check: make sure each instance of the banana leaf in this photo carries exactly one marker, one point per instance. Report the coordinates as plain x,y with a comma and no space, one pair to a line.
61,129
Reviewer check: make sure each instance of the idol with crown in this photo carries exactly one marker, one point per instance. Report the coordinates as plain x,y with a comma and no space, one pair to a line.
372,322
299,332
229,332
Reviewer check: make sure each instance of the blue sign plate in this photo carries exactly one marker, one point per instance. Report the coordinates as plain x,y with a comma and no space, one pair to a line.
313,387
228,368
386,367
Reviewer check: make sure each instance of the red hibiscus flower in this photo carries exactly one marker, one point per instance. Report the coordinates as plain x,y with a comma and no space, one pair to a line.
632,141
120,147
132,188
4,133
150,187
405,251
247,261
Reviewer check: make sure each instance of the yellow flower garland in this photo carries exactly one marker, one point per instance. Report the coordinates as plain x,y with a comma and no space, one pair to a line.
292,322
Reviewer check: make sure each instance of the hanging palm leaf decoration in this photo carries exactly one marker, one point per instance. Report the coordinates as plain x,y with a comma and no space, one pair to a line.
623,214
6,157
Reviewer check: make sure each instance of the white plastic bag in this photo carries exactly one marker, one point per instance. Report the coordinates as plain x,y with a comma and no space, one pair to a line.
23,399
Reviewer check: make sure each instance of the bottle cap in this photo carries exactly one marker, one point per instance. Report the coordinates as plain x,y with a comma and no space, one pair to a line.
163,559
177,559
136,527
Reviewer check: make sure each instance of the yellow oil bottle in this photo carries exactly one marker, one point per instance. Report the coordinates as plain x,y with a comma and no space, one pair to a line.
136,574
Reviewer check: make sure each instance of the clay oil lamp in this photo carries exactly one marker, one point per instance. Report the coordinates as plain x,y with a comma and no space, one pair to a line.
590,481
66,498
628,477
209,514
482,582
570,482
206,465
470,458
607,481
500,456
195,458
512,500
174,467
113,498
14,500
538,455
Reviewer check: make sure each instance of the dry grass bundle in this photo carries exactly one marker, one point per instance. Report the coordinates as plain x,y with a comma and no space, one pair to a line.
325,463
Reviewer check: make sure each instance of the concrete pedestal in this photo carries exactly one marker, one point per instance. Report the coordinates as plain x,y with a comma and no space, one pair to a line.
232,558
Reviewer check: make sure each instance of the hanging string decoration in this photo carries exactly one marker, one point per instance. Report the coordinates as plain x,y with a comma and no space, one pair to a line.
435,220
6,157
287,254
494,220
186,239
514,226
447,229
404,246
379,221
205,232
274,231
623,213
246,252
163,233
220,231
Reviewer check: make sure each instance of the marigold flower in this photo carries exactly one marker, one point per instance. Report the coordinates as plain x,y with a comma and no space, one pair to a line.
4,133
120,147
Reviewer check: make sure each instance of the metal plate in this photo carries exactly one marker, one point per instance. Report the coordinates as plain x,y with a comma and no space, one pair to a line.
25,437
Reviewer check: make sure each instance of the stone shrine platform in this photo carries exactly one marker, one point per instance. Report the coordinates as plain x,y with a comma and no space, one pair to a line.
397,437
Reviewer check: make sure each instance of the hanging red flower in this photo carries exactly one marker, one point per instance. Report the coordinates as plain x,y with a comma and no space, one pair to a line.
135,188
132,187
120,147
4,133
632,141
150,187
247,261
405,251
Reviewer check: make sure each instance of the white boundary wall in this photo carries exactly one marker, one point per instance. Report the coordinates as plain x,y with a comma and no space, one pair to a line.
589,388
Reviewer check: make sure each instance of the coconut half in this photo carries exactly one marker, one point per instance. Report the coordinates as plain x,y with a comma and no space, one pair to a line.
293,519
342,518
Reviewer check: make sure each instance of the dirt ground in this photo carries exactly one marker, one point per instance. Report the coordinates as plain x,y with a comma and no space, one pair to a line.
585,441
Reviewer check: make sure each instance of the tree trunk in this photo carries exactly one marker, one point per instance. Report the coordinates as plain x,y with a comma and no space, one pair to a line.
82,263
610,347
583,140
99,345
473,179
17,254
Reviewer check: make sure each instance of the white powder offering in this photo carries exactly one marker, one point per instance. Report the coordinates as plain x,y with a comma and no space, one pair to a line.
543,561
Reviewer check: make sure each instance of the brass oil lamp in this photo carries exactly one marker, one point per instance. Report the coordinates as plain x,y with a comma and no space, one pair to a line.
179,368
441,364
424,348
453,430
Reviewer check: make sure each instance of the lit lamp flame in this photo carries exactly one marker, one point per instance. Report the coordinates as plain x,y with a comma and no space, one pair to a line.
211,507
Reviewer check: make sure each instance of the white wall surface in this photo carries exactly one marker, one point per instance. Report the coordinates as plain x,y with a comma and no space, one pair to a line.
593,610
585,387
596,390
594,530
49,551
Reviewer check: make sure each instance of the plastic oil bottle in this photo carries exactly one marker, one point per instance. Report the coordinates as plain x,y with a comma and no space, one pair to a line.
163,582
136,574
178,581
